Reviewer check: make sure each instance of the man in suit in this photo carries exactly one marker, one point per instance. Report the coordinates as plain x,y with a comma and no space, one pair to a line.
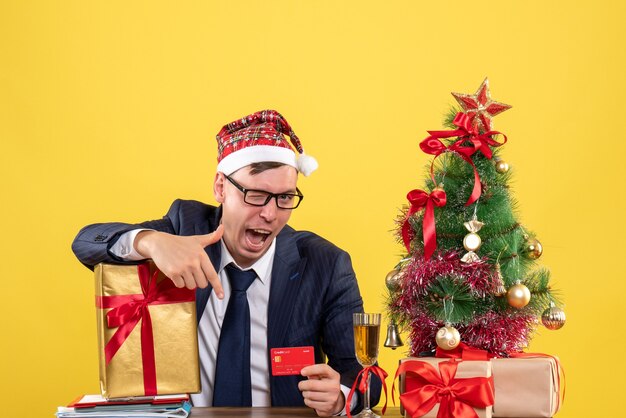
302,289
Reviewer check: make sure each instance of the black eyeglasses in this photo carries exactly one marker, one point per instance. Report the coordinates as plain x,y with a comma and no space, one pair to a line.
262,197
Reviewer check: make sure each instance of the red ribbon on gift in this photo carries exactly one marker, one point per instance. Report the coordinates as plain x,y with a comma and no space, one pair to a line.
420,199
465,352
467,134
126,312
457,398
361,382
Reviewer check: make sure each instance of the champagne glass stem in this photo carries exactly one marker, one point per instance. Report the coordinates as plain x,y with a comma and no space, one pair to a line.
366,400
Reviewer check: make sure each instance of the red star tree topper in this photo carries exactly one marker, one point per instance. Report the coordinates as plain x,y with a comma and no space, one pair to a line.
479,106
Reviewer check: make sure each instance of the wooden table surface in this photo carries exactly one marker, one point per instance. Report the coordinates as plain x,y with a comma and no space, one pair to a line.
260,412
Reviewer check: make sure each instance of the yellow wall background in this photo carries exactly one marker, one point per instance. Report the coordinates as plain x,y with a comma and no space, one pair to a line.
108,111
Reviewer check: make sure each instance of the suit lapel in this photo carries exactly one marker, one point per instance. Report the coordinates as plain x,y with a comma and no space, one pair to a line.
286,278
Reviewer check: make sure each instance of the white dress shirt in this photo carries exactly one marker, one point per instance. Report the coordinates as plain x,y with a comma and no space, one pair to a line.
209,330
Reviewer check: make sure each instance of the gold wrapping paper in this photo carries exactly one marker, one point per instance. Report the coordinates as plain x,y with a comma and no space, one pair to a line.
525,387
175,340
465,370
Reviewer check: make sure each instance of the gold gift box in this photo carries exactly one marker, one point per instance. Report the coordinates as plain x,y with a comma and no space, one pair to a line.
526,387
466,369
175,339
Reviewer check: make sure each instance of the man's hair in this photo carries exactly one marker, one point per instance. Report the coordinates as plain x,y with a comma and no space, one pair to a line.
257,168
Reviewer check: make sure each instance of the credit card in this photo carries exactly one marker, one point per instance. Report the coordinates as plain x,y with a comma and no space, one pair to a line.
290,360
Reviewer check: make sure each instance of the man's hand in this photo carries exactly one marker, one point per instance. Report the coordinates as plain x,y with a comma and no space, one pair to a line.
182,258
322,390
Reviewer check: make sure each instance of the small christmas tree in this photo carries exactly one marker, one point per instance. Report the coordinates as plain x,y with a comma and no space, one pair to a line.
471,271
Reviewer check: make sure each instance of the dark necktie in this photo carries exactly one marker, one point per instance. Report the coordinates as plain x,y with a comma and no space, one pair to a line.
232,373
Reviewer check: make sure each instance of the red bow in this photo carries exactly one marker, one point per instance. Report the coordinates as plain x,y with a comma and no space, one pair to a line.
129,309
418,200
456,397
478,142
362,381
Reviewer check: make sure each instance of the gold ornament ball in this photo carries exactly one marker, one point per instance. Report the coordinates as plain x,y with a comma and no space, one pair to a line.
502,166
533,249
392,281
553,318
472,242
448,338
518,296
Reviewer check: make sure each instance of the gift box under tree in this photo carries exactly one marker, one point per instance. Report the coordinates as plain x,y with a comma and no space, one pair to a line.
529,386
445,388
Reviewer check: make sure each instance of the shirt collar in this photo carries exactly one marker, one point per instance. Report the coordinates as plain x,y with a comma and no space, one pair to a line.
262,267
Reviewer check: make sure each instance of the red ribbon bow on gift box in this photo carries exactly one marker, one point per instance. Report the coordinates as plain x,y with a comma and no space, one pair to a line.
418,200
457,398
467,134
129,309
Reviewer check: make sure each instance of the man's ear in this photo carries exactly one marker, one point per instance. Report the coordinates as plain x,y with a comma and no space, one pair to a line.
218,187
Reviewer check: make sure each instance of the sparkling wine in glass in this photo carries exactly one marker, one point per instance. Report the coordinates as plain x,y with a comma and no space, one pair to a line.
366,333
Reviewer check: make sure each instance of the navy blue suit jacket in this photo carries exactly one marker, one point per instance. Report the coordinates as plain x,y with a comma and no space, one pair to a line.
312,296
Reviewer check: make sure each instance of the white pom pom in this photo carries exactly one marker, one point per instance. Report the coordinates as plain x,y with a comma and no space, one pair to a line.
306,164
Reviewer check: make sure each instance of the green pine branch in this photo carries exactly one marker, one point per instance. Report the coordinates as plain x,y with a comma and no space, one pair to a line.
450,300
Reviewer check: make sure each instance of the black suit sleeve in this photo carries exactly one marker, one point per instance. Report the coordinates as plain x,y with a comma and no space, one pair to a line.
93,243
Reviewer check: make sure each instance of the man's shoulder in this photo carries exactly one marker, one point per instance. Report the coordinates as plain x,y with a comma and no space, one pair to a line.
192,206
324,260
193,217
309,242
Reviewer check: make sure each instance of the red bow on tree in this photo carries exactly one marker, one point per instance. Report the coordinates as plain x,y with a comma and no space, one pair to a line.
470,141
420,199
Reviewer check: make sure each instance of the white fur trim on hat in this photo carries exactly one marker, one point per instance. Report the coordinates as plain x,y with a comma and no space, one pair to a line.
256,154
306,164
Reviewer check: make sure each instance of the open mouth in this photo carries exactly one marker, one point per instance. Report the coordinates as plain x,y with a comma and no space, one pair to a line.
257,237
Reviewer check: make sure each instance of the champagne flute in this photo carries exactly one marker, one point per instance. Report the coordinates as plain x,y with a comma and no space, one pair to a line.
366,333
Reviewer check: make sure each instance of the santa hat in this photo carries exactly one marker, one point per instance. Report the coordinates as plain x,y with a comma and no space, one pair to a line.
260,137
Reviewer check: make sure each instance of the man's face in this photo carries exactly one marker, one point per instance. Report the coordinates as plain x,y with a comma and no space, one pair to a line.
249,230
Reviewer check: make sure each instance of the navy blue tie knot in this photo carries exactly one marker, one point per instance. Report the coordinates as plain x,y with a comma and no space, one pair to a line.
232,386
240,280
